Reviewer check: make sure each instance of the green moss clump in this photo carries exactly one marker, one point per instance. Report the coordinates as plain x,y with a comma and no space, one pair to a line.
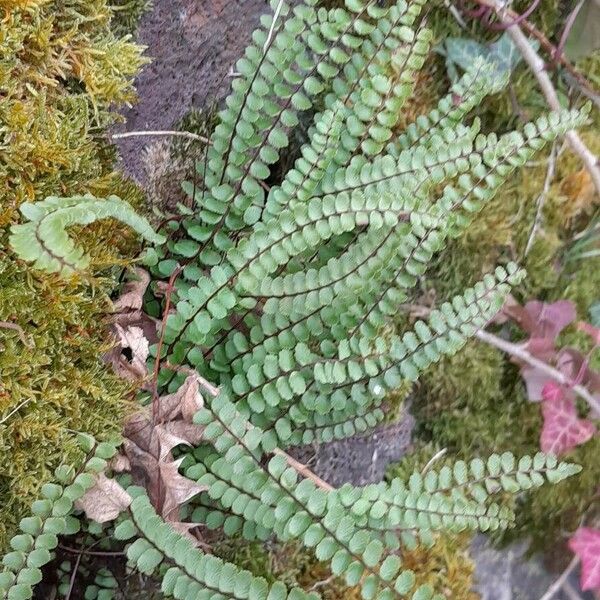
63,71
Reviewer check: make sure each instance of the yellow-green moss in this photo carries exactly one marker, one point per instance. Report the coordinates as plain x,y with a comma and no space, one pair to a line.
62,73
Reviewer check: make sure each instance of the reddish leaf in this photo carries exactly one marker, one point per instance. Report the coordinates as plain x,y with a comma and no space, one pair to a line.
586,544
593,332
540,319
105,501
563,429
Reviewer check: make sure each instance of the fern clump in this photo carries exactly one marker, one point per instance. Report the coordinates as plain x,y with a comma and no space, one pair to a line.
284,294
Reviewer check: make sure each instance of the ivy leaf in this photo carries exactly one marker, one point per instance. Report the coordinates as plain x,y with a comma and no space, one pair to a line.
105,501
541,320
563,429
586,544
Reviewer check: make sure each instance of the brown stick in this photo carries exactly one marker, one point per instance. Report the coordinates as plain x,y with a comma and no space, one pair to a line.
538,67
545,43
304,470
522,354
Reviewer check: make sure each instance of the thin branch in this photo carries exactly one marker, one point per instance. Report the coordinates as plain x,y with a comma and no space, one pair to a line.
557,585
89,552
538,67
272,28
304,470
18,329
73,576
522,354
510,16
434,459
14,410
173,133
542,197
571,592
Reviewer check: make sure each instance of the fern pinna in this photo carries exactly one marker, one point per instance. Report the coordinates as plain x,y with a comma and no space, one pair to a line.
285,297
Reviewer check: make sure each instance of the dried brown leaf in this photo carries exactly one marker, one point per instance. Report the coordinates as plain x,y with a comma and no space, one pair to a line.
132,297
105,501
177,489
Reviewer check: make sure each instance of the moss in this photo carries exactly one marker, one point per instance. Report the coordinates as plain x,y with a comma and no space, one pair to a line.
62,74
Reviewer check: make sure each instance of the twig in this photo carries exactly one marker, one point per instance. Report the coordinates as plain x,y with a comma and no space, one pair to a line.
538,68
433,459
272,28
18,329
522,354
542,197
73,576
557,585
155,405
304,470
571,592
14,410
89,552
545,43
186,134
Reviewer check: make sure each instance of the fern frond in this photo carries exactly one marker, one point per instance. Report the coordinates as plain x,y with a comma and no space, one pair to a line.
45,239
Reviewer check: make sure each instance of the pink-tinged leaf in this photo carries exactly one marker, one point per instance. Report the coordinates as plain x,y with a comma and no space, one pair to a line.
553,391
586,544
535,380
593,332
105,501
576,367
540,319
563,429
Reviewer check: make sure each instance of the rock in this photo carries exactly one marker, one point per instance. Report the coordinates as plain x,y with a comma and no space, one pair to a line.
362,459
193,44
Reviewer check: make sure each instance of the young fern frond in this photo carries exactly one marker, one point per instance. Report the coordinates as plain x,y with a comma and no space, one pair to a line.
45,239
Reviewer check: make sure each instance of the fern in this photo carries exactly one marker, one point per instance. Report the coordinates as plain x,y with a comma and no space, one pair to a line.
286,297
45,240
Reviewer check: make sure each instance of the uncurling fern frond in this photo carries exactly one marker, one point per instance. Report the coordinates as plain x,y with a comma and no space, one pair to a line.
45,240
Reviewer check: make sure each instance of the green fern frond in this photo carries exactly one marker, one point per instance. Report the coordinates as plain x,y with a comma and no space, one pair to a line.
45,239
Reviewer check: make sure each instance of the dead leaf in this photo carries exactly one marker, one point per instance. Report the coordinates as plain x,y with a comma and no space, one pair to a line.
580,195
186,401
132,297
105,501
132,367
177,489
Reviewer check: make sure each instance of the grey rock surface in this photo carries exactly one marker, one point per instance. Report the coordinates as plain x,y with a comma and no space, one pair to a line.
363,459
507,574
193,44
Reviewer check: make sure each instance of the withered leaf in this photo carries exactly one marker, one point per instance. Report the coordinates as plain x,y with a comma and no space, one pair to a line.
177,489
105,501
132,297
